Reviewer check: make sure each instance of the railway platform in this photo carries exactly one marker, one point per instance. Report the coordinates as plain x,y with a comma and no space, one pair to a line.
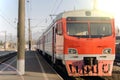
36,68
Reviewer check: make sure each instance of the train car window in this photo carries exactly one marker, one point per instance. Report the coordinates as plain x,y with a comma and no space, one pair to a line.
59,28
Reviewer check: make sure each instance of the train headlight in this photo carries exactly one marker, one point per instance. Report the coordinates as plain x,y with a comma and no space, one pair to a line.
107,51
72,51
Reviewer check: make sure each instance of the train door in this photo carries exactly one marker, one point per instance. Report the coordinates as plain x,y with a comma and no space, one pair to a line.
57,42
43,45
53,44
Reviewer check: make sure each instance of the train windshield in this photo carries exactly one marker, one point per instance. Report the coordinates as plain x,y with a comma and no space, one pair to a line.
77,29
100,29
90,29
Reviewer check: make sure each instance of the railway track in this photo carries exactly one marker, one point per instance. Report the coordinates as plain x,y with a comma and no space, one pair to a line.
7,57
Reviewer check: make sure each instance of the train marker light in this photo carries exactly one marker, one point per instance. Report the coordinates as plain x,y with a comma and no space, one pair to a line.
72,51
107,51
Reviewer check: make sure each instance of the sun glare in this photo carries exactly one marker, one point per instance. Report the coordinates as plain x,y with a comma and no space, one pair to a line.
111,6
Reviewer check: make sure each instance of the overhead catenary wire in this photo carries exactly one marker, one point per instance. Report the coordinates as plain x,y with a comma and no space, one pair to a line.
52,12
46,18
7,20
37,25
54,8
58,7
29,9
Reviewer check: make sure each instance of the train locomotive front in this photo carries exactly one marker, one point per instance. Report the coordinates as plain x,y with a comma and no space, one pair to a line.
84,41
89,44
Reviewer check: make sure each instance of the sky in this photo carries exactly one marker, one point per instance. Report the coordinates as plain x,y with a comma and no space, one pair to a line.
39,10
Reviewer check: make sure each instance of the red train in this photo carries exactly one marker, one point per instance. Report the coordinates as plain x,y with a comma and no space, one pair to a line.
84,41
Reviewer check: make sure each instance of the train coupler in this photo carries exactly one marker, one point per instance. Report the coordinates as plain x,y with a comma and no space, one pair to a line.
90,61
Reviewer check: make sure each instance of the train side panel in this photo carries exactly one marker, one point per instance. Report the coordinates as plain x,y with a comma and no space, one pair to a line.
48,42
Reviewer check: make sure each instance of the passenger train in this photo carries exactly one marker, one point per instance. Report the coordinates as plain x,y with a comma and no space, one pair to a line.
82,40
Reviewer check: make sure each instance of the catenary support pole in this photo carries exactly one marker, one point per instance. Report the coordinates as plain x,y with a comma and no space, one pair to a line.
21,38
5,41
29,32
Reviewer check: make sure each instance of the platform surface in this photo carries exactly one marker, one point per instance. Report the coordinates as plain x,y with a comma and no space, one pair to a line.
36,68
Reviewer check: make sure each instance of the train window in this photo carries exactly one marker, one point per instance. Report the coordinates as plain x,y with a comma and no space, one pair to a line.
59,28
77,29
100,29
94,30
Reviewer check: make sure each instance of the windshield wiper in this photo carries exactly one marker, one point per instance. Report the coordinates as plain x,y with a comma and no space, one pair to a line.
99,36
80,36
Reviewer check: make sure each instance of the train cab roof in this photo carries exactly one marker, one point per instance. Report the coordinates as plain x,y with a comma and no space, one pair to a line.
83,13
80,13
